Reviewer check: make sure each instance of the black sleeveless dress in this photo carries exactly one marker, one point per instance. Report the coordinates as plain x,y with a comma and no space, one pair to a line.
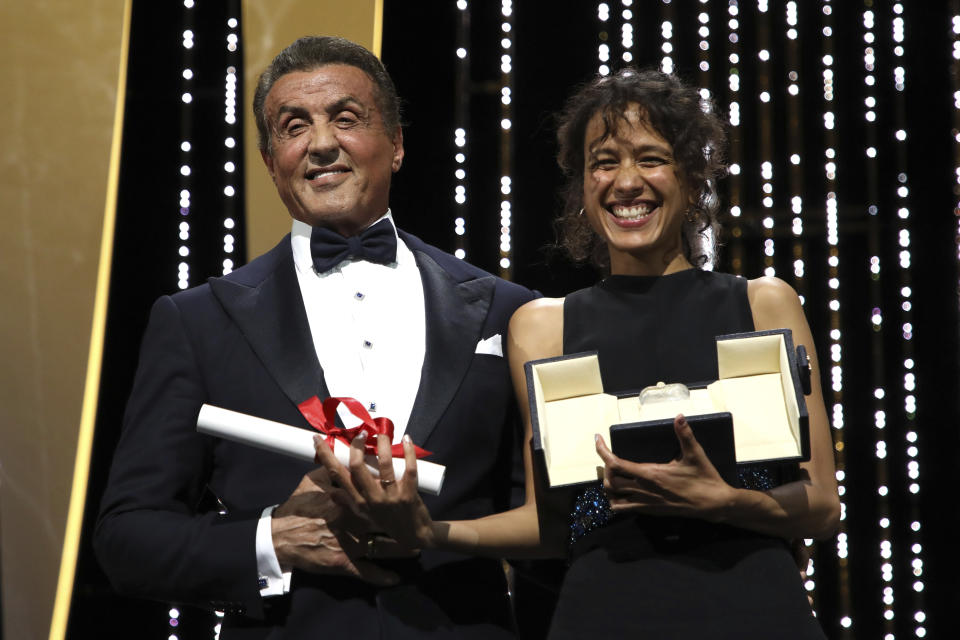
638,576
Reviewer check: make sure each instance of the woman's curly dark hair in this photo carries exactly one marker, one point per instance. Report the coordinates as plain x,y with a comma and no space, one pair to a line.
678,113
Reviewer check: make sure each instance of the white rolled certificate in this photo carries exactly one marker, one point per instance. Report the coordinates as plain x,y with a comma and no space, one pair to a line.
298,443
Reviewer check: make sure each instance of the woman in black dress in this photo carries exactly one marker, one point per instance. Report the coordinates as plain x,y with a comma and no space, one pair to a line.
659,550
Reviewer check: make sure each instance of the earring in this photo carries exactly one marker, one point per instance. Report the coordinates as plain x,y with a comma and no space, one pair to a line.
580,215
691,215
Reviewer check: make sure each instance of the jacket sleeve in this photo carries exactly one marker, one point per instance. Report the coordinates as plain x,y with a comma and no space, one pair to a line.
150,539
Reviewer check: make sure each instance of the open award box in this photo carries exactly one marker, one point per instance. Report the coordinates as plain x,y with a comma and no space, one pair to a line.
754,412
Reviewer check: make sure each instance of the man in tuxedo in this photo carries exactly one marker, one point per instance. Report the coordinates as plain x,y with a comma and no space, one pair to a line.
346,305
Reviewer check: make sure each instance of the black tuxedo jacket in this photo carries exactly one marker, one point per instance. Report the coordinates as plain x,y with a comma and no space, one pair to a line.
242,342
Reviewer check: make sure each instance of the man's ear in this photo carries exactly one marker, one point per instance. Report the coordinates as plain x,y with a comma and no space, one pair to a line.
268,160
397,149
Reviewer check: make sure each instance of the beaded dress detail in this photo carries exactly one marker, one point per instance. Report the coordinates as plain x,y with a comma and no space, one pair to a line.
591,509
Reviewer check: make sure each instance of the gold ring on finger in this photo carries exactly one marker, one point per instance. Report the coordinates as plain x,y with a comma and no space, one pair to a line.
386,483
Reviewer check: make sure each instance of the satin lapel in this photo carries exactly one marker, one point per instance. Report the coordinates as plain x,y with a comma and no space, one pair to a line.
272,318
455,313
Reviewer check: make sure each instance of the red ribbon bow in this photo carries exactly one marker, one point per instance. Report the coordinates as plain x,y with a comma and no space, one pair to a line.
322,416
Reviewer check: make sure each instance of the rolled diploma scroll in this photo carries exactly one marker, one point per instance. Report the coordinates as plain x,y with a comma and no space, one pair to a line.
298,443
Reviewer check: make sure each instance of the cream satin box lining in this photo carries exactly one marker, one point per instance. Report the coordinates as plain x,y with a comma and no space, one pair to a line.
758,385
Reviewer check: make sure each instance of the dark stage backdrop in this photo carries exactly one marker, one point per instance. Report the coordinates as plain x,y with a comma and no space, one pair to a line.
843,122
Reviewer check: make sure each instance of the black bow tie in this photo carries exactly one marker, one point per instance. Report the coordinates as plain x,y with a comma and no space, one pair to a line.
377,243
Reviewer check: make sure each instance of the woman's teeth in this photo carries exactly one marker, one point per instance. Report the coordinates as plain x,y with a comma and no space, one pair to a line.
631,213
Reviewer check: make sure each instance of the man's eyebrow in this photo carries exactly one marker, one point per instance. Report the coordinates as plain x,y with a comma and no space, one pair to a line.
344,102
291,109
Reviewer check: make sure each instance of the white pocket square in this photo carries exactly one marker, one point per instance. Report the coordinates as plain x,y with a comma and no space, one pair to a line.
491,346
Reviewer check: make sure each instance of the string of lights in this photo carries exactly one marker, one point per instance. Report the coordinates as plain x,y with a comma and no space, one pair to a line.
765,117
232,209
887,596
603,49
703,47
506,139
955,76
703,64
667,34
183,279
461,118
795,146
913,532
626,32
795,188
186,98
834,396
735,147
230,146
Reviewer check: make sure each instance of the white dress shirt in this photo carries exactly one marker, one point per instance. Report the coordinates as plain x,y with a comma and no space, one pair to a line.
368,327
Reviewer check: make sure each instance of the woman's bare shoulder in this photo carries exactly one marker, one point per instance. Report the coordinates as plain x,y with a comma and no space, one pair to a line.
774,303
536,328
539,309
769,290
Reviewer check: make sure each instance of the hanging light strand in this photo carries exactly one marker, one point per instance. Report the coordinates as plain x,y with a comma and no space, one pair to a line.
795,146
835,394
876,281
626,32
913,530
506,139
734,99
955,77
461,121
667,23
186,145
703,64
703,46
603,36
231,205
795,186
765,116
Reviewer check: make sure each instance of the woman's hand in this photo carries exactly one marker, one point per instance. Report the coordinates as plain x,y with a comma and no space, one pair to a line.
392,503
689,486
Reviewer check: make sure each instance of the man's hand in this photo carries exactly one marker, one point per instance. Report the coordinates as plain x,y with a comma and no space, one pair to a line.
320,529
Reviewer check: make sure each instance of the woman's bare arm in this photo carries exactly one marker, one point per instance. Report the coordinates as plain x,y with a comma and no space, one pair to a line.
810,507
